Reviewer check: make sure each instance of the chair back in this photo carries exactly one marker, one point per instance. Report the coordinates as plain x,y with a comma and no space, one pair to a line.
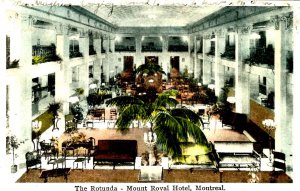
279,161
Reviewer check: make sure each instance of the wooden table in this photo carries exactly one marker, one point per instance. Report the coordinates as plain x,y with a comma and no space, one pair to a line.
55,173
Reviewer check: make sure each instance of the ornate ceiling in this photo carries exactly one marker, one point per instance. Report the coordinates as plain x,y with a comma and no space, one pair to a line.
150,15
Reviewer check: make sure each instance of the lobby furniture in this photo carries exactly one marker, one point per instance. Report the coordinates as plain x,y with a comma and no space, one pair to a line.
80,159
279,161
56,161
33,159
113,114
237,121
73,146
237,154
115,152
151,174
47,149
55,173
97,114
69,123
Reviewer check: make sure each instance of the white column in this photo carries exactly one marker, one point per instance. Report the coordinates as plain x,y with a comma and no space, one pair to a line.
62,79
97,65
242,86
138,60
84,68
206,63
219,68
20,89
283,118
196,60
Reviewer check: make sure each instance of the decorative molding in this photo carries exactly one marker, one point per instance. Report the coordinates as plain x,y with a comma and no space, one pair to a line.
82,33
207,36
288,21
275,20
244,29
221,33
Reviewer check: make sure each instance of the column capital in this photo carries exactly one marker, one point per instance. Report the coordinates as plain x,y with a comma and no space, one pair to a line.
246,29
221,33
207,36
62,29
83,33
288,21
25,20
276,20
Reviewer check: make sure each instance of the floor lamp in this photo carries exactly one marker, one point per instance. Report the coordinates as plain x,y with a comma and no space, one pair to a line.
269,125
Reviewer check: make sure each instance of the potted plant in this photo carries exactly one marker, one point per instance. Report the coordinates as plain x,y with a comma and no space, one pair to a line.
53,109
13,144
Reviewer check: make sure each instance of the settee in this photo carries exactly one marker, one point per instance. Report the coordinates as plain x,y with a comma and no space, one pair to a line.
33,159
115,152
236,154
238,121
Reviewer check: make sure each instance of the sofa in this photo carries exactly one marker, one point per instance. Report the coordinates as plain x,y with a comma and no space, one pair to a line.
237,154
115,152
33,159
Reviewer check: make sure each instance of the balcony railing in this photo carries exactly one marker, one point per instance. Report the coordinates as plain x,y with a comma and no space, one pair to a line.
120,48
151,48
261,56
75,54
229,53
178,48
44,53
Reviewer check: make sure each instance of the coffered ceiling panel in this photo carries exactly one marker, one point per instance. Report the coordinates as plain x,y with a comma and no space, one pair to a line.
149,15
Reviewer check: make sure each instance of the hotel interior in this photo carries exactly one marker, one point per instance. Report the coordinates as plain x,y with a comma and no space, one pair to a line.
149,93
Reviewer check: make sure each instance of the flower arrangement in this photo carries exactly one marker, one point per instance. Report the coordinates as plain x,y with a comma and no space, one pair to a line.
12,143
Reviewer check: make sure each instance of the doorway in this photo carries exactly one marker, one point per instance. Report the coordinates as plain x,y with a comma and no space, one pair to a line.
128,63
174,62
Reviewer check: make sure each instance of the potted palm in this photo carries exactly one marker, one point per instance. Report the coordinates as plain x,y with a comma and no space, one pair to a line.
53,109
170,125
13,144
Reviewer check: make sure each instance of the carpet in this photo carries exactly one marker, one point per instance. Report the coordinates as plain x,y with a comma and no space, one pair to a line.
169,176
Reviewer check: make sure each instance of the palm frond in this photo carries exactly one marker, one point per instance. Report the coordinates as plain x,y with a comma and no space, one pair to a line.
168,131
164,101
191,129
123,101
188,114
128,114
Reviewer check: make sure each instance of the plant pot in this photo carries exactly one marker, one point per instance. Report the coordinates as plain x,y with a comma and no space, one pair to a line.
14,168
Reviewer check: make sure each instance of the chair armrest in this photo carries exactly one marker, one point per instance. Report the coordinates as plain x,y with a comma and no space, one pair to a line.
256,155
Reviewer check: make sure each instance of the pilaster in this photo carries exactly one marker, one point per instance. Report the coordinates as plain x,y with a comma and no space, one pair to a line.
283,132
62,81
84,67
219,68
207,66
242,86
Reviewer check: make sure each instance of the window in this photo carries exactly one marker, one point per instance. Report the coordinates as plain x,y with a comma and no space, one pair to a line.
126,44
229,52
151,44
178,44
262,85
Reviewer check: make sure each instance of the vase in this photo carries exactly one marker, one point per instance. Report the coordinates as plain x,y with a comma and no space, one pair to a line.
14,168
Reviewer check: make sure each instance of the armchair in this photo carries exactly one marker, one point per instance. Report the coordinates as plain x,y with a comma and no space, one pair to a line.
33,159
